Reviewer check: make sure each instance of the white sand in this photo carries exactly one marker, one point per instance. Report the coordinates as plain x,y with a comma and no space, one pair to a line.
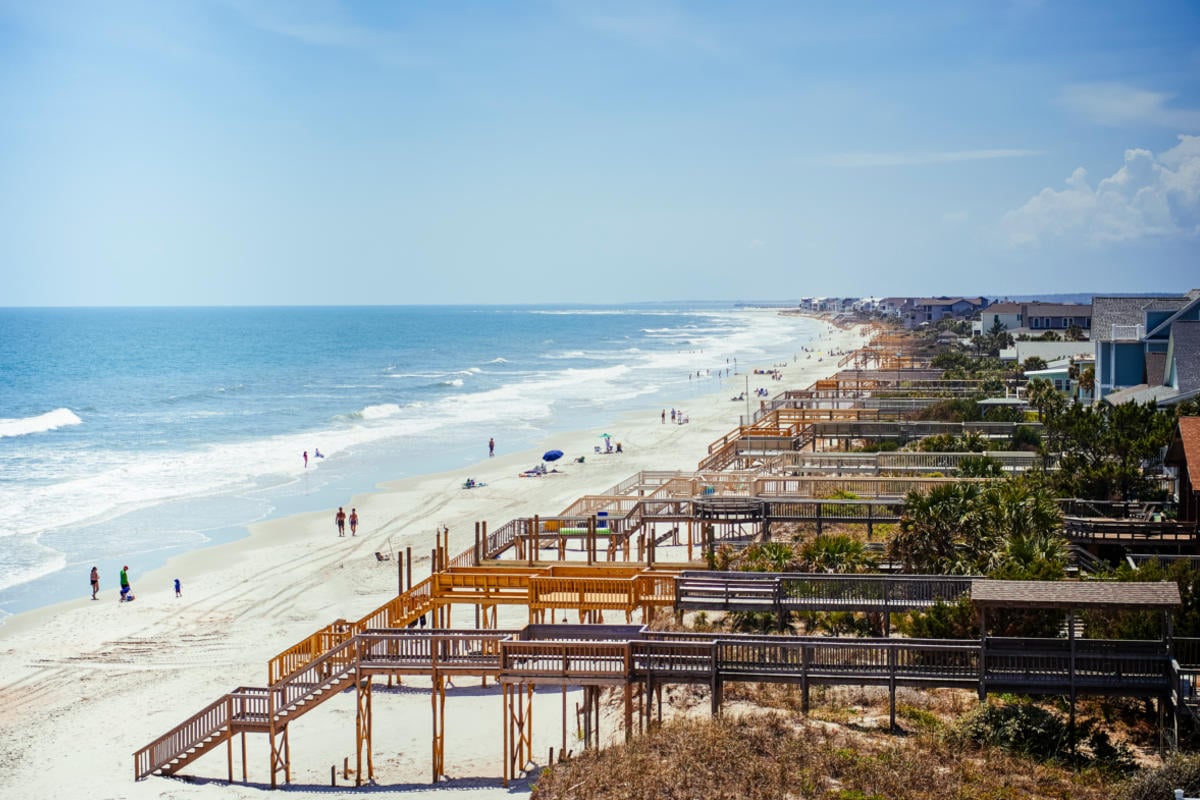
85,684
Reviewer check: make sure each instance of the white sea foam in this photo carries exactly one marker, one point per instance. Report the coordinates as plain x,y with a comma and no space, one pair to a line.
380,411
498,360
51,420
110,484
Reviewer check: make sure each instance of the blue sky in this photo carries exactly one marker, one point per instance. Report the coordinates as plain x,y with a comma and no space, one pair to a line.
217,152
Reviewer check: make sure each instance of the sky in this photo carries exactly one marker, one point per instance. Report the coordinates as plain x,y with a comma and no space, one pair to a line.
335,152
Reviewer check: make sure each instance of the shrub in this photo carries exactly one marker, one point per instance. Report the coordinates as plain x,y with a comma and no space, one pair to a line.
1042,735
1180,772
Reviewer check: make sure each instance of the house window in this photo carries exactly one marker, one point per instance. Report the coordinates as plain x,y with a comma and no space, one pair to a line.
1037,323
1058,384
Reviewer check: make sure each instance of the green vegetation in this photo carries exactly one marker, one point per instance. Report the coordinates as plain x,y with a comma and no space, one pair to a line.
1105,449
1037,733
1006,528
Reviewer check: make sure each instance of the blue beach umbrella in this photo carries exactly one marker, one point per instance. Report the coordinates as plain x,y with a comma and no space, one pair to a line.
552,455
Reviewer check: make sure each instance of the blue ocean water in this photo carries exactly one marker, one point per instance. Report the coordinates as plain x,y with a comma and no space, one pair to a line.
129,435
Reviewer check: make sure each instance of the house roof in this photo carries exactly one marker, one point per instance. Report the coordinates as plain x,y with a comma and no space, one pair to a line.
938,301
1184,348
1125,311
1060,309
1071,594
1043,309
1142,393
1189,303
1187,444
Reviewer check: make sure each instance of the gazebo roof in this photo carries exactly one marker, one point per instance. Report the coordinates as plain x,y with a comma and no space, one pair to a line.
1069,594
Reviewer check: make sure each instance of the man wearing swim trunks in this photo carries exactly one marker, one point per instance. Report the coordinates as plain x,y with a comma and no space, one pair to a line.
354,522
340,519
95,582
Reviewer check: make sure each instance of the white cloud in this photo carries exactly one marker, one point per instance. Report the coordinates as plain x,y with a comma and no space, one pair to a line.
1117,104
1147,197
919,159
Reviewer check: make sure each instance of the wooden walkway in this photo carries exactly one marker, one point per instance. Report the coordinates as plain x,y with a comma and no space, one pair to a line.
633,659
629,657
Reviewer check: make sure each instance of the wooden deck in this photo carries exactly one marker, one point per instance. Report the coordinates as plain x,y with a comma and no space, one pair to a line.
629,656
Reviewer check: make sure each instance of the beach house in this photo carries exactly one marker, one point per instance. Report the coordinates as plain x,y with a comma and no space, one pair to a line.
1035,317
1147,348
934,309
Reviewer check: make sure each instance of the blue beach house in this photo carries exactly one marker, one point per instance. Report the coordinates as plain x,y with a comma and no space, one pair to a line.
1147,348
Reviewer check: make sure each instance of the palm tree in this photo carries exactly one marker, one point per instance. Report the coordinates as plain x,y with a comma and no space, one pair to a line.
935,527
1042,396
837,553
1023,524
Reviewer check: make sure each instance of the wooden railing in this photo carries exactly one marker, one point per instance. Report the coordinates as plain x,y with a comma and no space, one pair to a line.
566,661
885,463
620,655
779,592
1078,528
814,486
213,724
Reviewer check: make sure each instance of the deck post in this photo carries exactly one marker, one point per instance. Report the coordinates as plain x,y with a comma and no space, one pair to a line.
715,672
982,655
408,565
535,536
891,657
805,660
1071,638
229,741
437,699
504,701
362,723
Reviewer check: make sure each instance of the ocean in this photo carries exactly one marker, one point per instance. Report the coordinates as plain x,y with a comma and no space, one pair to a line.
131,435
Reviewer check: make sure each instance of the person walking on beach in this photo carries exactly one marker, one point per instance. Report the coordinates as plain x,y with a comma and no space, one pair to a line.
95,582
664,417
178,588
340,519
354,522
306,459
125,590
491,447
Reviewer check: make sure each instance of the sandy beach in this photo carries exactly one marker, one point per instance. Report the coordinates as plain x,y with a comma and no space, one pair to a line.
87,683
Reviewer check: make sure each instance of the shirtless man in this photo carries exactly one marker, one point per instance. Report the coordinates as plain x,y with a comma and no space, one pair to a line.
354,522
340,519
95,582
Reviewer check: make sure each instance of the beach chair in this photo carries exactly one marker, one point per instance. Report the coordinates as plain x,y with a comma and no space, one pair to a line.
382,556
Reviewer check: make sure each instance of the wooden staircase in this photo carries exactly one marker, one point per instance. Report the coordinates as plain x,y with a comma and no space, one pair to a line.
250,710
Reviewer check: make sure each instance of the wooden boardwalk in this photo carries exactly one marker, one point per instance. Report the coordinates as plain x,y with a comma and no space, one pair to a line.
637,661
632,659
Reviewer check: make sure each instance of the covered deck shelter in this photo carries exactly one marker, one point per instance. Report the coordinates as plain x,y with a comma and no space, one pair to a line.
1076,666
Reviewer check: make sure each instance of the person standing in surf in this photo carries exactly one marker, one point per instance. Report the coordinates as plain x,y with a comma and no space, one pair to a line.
95,582
491,447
